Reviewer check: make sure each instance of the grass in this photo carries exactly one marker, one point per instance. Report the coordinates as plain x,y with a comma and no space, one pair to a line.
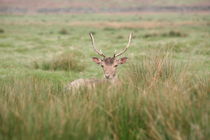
65,61
63,32
1,31
164,101
163,92
167,34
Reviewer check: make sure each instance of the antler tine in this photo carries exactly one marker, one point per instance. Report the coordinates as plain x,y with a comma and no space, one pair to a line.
95,49
129,42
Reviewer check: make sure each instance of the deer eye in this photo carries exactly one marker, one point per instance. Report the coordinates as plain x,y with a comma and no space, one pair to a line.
102,66
115,65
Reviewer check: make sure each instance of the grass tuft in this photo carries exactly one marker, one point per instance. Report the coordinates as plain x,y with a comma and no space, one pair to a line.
65,61
63,31
1,31
171,33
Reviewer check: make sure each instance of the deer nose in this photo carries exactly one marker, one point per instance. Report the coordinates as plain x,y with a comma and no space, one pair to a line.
107,76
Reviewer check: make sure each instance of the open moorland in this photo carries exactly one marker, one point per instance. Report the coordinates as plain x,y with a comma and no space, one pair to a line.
163,92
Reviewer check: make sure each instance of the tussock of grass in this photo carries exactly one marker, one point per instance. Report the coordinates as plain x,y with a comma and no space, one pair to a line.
109,29
167,34
63,32
158,99
149,71
66,61
1,31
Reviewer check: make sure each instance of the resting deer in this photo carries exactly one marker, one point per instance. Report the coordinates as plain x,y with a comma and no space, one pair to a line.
108,64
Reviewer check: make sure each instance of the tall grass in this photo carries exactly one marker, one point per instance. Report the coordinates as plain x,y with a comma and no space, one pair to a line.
157,99
65,61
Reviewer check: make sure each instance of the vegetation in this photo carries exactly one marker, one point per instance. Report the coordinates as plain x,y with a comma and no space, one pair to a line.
168,34
1,31
63,31
163,93
66,61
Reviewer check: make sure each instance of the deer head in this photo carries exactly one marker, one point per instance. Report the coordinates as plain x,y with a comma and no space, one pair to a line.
110,64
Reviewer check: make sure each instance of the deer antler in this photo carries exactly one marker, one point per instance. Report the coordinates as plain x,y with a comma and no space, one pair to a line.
129,42
95,49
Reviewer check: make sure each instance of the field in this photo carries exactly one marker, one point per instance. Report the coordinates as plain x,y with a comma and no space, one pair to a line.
164,89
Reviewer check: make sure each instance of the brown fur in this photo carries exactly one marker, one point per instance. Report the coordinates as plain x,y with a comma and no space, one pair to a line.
109,60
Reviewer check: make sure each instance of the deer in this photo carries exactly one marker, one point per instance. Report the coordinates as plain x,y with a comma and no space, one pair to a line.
108,64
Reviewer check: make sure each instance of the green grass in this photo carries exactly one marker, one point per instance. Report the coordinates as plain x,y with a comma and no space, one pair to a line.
65,61
163,92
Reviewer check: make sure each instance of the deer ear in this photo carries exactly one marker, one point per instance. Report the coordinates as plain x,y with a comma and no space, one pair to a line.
122,60
96,60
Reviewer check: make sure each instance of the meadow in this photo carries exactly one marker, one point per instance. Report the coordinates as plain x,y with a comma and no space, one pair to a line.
164,90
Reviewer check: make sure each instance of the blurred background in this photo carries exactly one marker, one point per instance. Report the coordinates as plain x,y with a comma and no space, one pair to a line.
101,6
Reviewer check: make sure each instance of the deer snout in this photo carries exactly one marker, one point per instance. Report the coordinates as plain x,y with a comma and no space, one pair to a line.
107,76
